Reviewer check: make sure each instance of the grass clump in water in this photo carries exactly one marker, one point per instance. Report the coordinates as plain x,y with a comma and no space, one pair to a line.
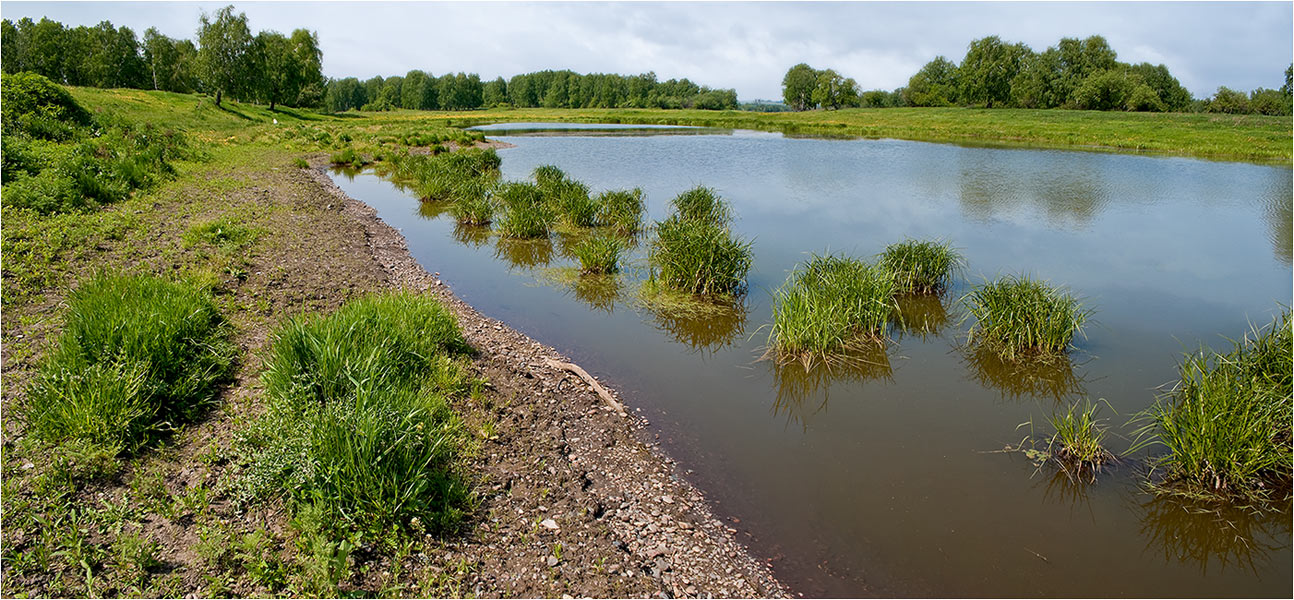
621,210
573,202
698,257
1226,424
546,175
137,356
523,221
1020,316
1077,446
360,422
920,267
704,205
828,307
598,255
350,158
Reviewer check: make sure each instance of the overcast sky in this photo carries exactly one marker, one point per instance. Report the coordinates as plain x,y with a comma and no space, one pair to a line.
747,46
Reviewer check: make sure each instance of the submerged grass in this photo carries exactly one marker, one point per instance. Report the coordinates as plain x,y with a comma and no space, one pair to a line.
138,355
1226,424
828,306
1021,317
360,424
921,267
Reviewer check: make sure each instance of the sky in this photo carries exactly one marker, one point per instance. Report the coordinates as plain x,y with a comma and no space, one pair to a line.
747,46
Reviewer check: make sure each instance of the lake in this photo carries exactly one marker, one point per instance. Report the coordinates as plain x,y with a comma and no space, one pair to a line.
891,480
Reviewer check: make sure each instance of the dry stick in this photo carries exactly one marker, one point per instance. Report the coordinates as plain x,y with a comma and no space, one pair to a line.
597,387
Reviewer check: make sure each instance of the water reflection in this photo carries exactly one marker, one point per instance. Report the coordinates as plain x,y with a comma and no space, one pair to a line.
432,209
1279,213
524,253
921,315
1066,199
1052,377
802,393
701,326
348,172
471,235
1212,537
600,292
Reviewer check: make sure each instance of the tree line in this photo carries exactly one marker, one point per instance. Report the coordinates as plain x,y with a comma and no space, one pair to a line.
1076,74
226,59
547,89
266,68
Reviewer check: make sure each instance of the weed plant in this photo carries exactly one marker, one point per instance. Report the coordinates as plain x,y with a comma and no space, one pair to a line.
599,254
920,267
828,307
477,210
527,221
546,175
699,257
573,202
137,356
621,210
702,204
349,157
1021,317
1226,423
515,194
1077,447
359,424
222,233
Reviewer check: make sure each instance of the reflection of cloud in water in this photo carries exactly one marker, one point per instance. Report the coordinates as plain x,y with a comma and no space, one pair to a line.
471,235
1068,198
921,315
1211,536
1051,377
802,393
524,253
702,326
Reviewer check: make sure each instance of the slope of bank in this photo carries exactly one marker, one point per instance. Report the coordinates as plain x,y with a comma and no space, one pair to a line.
571,499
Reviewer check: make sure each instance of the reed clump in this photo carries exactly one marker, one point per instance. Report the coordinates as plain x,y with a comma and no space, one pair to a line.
527,221
829,306
622,210
599,254
360,423
921,267
1077,447
137,356
1226,423
699,257
1021,317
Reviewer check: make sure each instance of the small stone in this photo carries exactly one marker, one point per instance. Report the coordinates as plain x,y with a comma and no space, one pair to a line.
657,551
28,466
690,590
549,524
552,561
667,499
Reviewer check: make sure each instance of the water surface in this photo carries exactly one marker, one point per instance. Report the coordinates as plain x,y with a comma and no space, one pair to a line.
888,479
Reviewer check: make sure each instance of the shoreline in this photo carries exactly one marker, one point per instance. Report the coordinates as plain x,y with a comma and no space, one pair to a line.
662,522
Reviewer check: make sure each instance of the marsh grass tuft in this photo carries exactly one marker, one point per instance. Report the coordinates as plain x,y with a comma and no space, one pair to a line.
137,356
1021,317
524,221
598,254
360,424
1226,423
828,306
1077,447
921,267
703,204
698,257
622,210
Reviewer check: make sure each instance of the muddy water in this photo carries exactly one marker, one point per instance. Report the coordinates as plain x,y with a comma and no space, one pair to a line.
888,479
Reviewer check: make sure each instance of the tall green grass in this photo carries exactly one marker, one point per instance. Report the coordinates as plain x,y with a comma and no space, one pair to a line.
1226,423
573,203
527,221
1022,317
1077,447
829,306
599,254
699,257
622,210
704,205
921,267
360,421
138,355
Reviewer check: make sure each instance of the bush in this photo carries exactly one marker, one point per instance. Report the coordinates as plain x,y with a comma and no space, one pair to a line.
137,355
35,106
1019,316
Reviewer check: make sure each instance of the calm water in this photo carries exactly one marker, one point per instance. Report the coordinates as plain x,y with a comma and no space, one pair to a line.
887,480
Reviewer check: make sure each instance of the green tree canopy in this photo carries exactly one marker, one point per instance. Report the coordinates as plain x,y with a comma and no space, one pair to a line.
224,47
798,86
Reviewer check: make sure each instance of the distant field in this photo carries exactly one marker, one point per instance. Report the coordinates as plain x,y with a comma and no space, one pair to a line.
1252,138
